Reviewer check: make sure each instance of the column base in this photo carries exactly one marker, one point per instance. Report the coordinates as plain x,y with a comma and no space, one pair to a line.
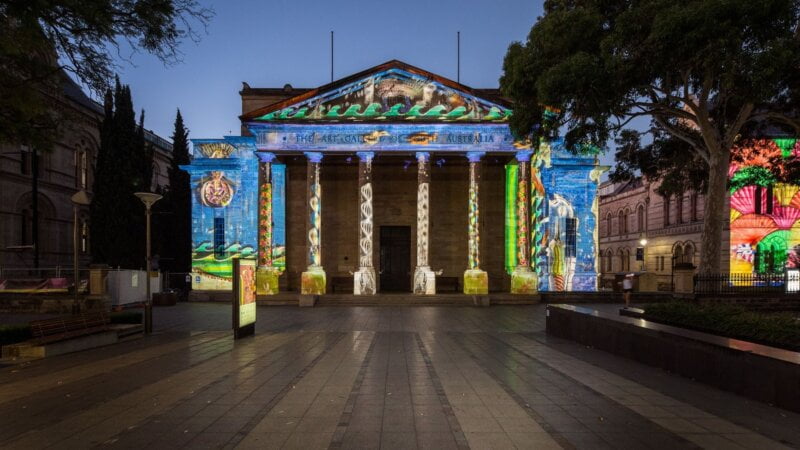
476,282
267,280
364,281
524,281
312,281
424,281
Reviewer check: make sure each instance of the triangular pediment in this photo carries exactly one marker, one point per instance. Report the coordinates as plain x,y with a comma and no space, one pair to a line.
391,92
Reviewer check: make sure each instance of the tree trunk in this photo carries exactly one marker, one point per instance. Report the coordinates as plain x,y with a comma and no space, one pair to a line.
715,212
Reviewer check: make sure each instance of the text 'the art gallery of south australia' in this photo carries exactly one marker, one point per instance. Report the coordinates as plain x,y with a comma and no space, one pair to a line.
392,180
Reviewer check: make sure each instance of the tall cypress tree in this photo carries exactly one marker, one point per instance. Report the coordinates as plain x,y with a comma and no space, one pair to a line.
117,215
177,245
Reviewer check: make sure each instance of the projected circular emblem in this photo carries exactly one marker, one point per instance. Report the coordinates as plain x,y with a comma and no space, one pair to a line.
216,192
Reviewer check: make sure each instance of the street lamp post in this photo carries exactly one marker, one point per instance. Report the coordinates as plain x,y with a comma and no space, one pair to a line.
80,198
148,198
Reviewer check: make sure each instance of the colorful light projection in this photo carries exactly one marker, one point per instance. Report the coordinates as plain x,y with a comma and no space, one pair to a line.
364,282
563,216
765,212
424,277
391,95
312,281
225,209
476,281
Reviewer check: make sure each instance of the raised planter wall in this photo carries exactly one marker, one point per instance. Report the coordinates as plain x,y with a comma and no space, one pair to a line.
755,371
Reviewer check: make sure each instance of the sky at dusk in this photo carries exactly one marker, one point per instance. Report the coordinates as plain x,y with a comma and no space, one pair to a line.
271,43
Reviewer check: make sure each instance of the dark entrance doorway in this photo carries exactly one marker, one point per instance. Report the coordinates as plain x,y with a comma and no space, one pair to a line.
395,263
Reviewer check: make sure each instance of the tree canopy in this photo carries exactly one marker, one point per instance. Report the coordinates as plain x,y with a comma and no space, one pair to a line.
702,71
42,39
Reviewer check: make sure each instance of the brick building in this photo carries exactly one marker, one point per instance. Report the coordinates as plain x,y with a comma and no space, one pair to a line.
672,226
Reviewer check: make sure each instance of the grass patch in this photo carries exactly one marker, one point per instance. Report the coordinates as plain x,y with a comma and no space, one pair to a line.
773,329
11,334
134,317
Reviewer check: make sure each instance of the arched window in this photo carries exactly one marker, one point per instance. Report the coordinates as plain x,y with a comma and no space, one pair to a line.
677,253
608,261
623,226
688,253
666,209
679,209
640,218
609,223
625,259
693,205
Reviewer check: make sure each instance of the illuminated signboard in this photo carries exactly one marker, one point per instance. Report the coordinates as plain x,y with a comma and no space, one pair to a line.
244,297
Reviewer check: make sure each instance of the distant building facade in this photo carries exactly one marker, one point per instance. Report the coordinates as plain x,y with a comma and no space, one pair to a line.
672,226
68,168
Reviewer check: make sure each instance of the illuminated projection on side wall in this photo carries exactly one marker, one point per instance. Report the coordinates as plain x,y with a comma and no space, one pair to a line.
224,179
765,207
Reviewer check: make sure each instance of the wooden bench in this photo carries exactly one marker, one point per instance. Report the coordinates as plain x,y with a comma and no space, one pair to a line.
447,284
342,284
63,328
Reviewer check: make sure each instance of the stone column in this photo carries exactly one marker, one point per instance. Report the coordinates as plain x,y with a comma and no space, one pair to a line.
523,279
364,278
313,279
476,281
424,278
266,274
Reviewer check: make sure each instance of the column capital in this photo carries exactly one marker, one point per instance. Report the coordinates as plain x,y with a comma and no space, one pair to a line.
365,156
423,156
314,157
265,157
475,156
523,156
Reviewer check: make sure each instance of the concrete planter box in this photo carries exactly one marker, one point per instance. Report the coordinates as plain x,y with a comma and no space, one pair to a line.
755,371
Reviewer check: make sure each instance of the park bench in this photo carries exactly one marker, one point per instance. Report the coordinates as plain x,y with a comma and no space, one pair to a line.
63,328
447,284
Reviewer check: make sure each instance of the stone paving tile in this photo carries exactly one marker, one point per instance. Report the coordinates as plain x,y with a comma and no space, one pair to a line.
423,377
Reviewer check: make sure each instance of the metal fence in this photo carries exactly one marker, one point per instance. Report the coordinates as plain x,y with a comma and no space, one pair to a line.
747,283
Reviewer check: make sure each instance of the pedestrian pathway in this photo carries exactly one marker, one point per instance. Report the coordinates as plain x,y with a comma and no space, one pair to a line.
381,377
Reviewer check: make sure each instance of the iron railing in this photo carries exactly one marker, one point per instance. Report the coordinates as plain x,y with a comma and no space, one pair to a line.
746,283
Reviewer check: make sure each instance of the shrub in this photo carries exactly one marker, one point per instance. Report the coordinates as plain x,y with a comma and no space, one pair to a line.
126,317
775,329
11,334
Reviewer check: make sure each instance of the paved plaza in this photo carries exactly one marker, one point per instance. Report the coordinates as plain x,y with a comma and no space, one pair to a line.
370,377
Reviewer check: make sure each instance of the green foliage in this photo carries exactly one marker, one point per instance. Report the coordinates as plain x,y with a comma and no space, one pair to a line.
752,175
124,166
39,38
176,221
702,71
11,334
126,317
775,329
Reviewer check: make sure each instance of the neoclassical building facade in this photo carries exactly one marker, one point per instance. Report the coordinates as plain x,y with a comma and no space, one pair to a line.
391,179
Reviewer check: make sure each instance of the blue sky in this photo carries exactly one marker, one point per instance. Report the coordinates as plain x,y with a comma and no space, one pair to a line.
271,43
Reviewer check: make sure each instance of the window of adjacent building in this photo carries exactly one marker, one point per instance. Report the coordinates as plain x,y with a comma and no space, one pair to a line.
666,210
84,236
609,223
219,236
688,253
640,218
24,160
679,209
693,206
623,225
81,169
25,227
571,241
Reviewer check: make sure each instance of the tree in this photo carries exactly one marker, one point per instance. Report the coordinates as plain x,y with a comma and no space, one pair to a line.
123,165
176,231
703,71
41,39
